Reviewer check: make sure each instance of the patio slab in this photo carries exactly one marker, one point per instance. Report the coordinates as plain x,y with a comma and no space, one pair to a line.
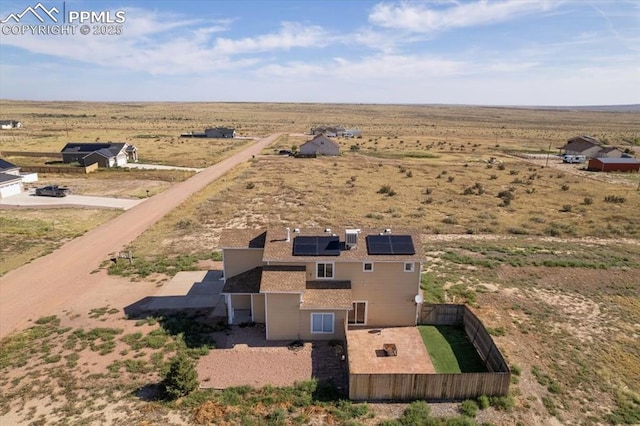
367,356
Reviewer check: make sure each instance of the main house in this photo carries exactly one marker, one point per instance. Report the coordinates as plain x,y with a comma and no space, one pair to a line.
214,132
312,284
112,154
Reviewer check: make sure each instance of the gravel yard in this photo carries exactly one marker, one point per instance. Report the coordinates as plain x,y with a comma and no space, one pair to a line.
244,357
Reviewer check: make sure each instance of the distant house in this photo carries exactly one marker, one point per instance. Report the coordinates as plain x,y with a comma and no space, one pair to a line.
583,145
320,145
220,132
214,132
10,179
8,168
614,165
610,152
331,131
10,124
105,154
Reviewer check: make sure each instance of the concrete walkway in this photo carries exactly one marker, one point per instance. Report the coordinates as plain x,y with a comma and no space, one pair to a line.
160,167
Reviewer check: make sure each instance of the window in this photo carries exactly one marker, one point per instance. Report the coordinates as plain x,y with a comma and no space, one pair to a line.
408,266
322,323
324,270
358,313
367,266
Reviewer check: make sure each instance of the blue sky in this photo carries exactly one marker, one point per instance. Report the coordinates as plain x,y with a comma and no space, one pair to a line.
510,52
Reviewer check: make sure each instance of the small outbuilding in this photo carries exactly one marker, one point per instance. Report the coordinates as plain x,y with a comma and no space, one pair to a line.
320,145
614,165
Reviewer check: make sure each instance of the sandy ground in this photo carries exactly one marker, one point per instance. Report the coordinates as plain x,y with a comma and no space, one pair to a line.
160,167
57,280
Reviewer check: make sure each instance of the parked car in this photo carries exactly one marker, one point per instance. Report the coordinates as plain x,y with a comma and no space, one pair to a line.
285,152
52,191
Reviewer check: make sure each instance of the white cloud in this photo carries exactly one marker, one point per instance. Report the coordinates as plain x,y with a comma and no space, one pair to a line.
290,35
420,18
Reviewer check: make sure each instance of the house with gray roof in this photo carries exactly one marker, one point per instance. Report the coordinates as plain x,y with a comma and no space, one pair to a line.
112,154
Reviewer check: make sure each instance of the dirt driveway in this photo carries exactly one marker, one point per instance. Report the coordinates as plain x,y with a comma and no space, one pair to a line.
55,281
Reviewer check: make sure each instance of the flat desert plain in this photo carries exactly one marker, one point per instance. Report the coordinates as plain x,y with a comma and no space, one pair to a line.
546,254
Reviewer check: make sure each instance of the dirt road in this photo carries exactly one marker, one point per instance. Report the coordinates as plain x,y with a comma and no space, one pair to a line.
54,281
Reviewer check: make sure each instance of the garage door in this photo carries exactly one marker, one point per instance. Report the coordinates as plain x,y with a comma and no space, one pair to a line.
10,189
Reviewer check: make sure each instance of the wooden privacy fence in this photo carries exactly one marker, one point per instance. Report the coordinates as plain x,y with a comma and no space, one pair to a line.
406,387
60,169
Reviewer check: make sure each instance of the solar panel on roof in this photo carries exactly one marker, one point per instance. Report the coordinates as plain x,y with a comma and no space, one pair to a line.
390,245
316,246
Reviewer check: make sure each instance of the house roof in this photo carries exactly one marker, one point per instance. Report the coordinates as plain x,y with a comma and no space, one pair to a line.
106,153
581,143
321,140
609,149
607,160
8,122
6,178
5,165
86,148
283,279
327,295
244,283
278,249
242,238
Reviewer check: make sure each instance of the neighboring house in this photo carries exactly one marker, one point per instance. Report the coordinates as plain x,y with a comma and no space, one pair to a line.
10,184
320,145
8,168
331,131
614,165
105,154
582,145
215,132
10,124
220,132
610,152
311,284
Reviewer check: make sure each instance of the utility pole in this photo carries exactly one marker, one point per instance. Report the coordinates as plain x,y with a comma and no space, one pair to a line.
548,153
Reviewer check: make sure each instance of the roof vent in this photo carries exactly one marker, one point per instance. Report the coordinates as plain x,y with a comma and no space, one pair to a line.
296,230
327,230
387,231
351,238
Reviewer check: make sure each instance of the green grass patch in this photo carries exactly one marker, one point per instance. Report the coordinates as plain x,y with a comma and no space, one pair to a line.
450,350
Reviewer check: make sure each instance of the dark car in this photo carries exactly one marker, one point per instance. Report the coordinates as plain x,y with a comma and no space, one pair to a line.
52,191
285,152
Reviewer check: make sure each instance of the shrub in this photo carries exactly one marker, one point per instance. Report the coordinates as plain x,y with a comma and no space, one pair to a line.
182,378
501,166
354,148
493,177
450,220
251,185
587,201
417,413
504,403
409,174
428,191
614,199
450,179
384,189
469,408
483,402
564,187
566,208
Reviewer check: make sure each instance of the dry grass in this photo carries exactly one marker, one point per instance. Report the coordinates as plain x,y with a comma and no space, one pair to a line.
29,234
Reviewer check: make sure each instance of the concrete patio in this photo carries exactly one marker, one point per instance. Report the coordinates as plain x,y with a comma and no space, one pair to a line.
367,356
